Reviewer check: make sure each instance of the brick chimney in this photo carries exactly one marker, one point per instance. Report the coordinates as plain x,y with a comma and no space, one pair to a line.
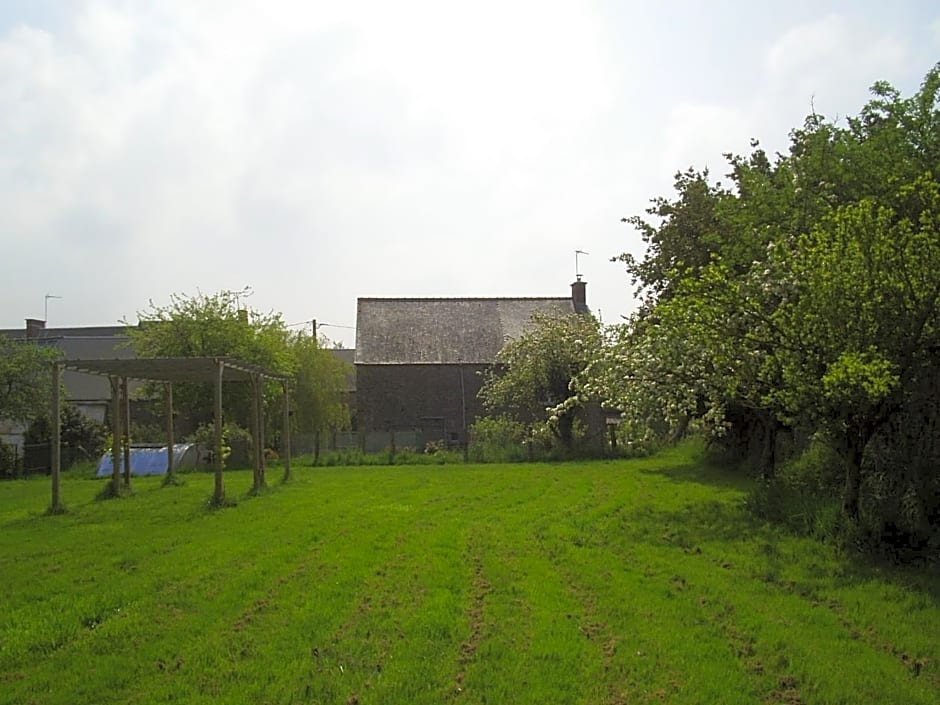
243,315
34,328
579,295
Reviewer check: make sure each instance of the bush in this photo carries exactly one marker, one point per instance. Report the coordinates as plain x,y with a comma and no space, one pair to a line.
9,461
402,456
499,439
232,434
85,437
805,495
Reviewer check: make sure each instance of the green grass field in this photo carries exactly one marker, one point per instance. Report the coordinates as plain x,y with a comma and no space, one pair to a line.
602,582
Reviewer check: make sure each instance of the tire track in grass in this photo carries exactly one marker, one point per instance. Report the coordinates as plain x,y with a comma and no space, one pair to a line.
380,594
578,554
777,629
591,624
574,526
868,634
479,589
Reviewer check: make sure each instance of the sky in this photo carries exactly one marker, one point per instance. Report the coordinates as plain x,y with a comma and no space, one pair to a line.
322,151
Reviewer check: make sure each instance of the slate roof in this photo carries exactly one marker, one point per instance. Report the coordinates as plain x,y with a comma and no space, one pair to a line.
71,332
444,331
91,342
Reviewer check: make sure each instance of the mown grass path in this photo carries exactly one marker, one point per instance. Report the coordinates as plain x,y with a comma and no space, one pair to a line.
605,582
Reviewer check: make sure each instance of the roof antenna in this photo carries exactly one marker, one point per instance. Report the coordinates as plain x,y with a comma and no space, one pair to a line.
577,268
45,311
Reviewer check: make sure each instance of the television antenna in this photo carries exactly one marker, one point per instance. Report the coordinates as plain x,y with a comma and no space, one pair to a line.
577,268
45,307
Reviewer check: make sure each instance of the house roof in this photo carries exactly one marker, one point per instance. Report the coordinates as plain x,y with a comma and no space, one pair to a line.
444,331
70,332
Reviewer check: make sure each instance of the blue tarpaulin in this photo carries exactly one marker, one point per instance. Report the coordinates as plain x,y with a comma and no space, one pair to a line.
152,461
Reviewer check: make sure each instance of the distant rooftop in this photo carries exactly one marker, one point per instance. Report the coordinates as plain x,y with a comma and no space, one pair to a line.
40,332
403,331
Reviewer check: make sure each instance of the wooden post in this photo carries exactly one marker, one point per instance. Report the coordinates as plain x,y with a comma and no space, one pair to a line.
169,431
255,436
115,435
217,454
260,402
56,438
126,427
285,450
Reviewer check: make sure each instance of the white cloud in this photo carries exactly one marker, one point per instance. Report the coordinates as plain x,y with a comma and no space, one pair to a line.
323,151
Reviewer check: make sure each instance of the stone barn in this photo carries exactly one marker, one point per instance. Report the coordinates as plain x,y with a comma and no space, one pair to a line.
420,362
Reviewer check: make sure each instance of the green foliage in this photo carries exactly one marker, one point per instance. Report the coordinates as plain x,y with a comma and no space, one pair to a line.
804,495
319,387
806,294
204,436
353,457
25,379
86,437
214,325
531,381
499,439
10,463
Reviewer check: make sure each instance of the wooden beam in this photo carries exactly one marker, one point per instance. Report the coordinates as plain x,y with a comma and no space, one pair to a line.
217,454
56,437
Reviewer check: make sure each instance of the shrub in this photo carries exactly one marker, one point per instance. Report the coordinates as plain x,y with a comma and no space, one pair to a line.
9,461
804,495
85,437
232,434
499,439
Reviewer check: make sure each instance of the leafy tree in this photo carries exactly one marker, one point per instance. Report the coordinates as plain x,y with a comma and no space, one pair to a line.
866,319
319,387
531,382
682,238
213,325
25,379
804,294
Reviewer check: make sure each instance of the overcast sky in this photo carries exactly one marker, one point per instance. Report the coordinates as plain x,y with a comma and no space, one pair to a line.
323,151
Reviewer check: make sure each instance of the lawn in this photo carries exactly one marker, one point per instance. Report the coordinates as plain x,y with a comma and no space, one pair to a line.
603,582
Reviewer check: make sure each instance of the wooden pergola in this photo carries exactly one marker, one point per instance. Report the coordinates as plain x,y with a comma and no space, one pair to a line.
169,370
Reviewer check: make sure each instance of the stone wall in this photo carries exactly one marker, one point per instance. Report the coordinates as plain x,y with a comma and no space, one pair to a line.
437,400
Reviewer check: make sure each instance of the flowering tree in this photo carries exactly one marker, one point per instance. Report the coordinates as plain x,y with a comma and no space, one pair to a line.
804,294
531,382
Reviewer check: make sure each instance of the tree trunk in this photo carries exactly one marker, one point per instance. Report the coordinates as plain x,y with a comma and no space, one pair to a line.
566,430
768,461
853,481
856,440
678,433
